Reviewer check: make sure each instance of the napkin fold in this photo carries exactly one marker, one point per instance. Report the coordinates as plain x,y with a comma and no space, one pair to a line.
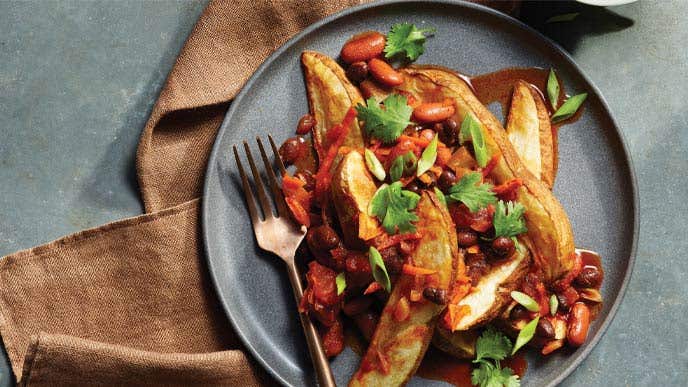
131,302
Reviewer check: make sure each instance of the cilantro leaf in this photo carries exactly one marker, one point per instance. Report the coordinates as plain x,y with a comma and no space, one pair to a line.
475,196
405,38
392,206
508,219
487,375
388,123
492,345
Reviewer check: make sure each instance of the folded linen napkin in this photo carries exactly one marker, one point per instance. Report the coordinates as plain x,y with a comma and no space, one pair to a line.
130,302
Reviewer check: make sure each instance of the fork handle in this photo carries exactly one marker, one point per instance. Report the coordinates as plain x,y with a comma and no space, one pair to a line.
315,347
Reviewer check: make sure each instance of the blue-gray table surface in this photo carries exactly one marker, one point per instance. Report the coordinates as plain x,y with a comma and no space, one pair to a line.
78,80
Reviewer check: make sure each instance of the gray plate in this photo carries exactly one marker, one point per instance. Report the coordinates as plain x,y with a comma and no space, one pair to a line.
595,183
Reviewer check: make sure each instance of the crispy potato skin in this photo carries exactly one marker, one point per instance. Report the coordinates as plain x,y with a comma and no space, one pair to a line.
529,131
404,343
352,190
460,344
549,236
330,95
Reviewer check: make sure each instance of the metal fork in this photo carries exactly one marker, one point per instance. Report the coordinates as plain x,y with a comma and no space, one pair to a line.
281,236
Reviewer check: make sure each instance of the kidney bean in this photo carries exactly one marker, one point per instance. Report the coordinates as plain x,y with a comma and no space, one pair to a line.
384,73
466,238
306,123
545,329
503,246
446,180
567,298
579,324
292,149
433,111
518,312
589,277
435,295
427,134
357,72
363,47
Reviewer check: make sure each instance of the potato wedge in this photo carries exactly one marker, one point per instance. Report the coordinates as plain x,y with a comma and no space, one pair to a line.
352,190
491,294
399,346
549,236
460,344
529,130
330,95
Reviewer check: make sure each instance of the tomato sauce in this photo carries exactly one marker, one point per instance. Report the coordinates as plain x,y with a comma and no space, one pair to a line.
437,365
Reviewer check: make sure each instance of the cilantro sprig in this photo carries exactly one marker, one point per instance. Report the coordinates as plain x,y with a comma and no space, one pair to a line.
388,123
406,39
508,219
471,192
393,207
491,348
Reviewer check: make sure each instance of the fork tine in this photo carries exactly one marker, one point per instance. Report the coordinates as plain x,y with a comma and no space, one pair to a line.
280,164
258,181
248,194
276,192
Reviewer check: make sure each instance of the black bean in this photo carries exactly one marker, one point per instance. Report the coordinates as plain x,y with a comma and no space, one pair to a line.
589,277
446,180
357,72
545,329
503,247
435,295
467,238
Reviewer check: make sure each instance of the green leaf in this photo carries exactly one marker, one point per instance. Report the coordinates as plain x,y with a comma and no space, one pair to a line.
428,157
471,192
527,301
341,282
569,108
553,304
472,131
377,265
489,375
508,219
385,124
526,334
553,88
392,206
374,165
397,169
492,345
406,39
564,17
440,196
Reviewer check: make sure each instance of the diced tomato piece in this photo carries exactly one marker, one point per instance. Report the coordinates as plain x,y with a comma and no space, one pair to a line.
508,190
333,339
372,288
443,155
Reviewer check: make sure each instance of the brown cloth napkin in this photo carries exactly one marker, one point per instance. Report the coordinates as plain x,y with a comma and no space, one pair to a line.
130,302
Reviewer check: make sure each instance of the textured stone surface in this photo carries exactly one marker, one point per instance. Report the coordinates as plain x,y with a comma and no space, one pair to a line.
77,81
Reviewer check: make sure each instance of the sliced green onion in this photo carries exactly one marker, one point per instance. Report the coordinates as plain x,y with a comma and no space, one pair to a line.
341,282
440,196
374,165
397,169
428,157
472,130
377,265
525,335
553,304
527,301
553,88
569,108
